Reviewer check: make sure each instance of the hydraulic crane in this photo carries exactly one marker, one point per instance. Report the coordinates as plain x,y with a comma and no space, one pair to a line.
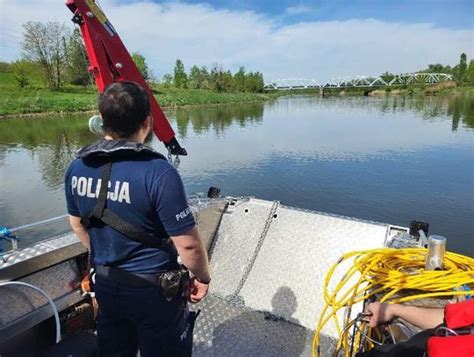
109,61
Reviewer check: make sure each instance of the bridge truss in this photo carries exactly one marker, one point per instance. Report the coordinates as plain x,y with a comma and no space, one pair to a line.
292,83
358,81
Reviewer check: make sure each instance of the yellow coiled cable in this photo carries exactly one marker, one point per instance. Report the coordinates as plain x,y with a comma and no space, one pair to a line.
387,272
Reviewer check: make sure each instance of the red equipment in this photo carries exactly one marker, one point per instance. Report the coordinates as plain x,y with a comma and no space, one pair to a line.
110,62
459,320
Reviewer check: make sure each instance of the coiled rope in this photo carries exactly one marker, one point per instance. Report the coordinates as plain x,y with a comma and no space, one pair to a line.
394,275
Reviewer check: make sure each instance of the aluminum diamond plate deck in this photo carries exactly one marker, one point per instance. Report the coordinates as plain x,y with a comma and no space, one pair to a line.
297,257
236,242
228,329
294,258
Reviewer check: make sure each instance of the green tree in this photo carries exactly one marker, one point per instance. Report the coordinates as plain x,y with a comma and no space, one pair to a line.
462,67
141,64
45,43
195,78
438,68
180,77
167,80
254,82
459,71
76,61
239,79
22,72
259,82
387,77
214,77
228,81
206,78
470,73
198,78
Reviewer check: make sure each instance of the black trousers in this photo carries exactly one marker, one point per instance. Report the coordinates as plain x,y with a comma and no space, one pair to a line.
140,318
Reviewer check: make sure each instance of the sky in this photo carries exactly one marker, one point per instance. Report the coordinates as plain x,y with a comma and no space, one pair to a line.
319,40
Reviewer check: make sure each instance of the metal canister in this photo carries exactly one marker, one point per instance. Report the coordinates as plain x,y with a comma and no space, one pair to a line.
96,125
436,251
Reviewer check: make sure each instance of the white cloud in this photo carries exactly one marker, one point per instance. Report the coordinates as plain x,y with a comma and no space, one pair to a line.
199,34
298,9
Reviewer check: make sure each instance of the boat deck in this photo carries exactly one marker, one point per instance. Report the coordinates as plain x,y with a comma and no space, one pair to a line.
226,328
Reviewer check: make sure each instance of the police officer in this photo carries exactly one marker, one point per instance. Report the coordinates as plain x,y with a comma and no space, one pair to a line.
128,206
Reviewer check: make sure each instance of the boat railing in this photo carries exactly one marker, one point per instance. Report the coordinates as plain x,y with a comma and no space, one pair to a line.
10,235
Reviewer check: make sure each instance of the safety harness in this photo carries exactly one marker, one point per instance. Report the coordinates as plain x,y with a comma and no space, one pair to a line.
110,151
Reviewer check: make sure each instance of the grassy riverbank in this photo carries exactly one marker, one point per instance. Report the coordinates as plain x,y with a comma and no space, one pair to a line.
38,99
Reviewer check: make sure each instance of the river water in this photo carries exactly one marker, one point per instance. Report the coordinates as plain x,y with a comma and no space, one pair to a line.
384,159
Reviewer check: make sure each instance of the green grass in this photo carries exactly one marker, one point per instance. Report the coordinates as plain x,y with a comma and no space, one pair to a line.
182,97
36,98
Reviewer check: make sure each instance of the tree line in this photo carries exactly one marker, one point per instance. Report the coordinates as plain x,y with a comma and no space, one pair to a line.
216,78
54,54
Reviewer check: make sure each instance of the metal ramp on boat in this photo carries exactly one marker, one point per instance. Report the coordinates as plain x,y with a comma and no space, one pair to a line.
268,265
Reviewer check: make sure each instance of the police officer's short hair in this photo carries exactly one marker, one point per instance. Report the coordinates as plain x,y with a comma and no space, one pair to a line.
123,106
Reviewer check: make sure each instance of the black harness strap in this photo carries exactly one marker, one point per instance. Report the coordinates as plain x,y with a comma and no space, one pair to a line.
100,213
99,208
117,223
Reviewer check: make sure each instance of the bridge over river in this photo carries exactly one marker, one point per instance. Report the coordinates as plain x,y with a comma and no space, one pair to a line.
358,81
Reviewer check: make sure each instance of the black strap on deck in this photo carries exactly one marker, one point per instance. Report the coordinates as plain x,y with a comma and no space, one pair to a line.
100,213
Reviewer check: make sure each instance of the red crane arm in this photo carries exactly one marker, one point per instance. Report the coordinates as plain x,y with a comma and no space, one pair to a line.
110,62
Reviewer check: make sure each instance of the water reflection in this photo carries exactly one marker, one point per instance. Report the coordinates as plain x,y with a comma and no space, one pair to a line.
30,133
53,171
50,142
461,109
390,159
458,108
217,119
72,130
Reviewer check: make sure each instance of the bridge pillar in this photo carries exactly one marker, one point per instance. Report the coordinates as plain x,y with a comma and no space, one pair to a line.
321,92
